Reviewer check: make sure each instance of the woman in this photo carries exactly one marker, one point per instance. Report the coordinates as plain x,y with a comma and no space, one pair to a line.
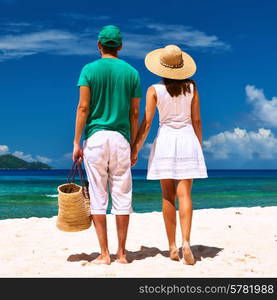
176,156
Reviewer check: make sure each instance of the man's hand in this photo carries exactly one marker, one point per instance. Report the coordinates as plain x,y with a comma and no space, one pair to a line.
77,154
134,158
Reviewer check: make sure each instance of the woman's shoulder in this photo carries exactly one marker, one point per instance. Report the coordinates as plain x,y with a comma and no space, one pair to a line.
157,85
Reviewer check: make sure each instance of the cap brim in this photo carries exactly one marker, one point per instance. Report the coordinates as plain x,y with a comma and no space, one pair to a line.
152,63
111,45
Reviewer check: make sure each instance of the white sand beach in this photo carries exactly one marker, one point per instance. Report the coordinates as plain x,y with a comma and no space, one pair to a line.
230,242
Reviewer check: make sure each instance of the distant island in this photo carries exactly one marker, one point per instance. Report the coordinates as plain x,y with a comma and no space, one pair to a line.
9,161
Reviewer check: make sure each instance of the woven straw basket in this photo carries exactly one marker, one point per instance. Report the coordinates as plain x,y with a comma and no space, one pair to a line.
74,208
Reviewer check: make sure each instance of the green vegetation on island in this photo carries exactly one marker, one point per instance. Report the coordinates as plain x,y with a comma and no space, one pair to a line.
9,161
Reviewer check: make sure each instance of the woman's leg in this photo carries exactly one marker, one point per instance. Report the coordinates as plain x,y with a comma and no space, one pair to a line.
169,215
183,191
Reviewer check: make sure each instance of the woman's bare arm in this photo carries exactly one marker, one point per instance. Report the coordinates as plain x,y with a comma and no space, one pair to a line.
145,126
195,116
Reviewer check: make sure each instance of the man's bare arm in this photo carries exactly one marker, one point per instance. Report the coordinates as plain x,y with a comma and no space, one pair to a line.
81,118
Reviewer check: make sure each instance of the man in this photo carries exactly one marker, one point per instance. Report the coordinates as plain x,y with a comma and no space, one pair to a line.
109,110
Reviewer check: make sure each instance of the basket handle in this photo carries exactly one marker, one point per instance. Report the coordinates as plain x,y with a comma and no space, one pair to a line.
71,176
71,173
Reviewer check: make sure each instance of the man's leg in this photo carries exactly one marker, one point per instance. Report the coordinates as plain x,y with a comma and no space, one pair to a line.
120,183
100,224
122,223
96,165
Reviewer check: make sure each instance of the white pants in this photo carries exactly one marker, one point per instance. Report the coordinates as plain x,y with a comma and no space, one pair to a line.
107,164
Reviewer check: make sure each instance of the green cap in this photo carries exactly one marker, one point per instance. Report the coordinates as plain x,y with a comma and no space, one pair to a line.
110,36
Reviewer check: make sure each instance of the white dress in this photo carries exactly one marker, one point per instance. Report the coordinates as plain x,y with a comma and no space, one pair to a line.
176,152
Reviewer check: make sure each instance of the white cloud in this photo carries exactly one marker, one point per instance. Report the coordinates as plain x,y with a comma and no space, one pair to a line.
27,157
264,110
159,35
30,158
187,36
145,151
3,149
50,41
17,42
21,155
248,145
43,159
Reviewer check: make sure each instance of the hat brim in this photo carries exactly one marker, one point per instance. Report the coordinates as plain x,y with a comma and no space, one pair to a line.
152,63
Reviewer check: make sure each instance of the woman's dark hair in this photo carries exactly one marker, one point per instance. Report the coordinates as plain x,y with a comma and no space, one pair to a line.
110,50
177,87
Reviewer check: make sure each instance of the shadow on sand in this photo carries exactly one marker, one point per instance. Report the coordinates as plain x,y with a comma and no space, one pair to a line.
144,252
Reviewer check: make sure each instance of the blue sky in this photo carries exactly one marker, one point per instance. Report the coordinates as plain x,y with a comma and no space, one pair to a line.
44,45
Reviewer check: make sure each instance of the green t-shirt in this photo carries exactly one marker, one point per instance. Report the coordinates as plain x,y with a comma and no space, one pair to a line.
113,84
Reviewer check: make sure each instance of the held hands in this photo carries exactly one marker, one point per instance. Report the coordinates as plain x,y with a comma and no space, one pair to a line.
134,157
77,154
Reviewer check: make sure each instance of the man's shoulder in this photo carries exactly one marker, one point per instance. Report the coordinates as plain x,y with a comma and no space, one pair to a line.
101,66
128,66
92,64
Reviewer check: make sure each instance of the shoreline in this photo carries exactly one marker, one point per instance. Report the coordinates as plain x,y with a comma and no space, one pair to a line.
143,212
223,240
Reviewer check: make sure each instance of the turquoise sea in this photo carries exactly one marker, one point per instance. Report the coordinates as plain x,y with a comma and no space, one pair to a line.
28,193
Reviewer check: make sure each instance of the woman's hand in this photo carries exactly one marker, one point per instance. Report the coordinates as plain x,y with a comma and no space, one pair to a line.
77,154
134,158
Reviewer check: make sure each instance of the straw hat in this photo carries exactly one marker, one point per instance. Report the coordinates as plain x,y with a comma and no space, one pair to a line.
170,62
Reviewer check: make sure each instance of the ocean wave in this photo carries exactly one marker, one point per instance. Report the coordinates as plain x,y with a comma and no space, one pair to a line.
52,196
